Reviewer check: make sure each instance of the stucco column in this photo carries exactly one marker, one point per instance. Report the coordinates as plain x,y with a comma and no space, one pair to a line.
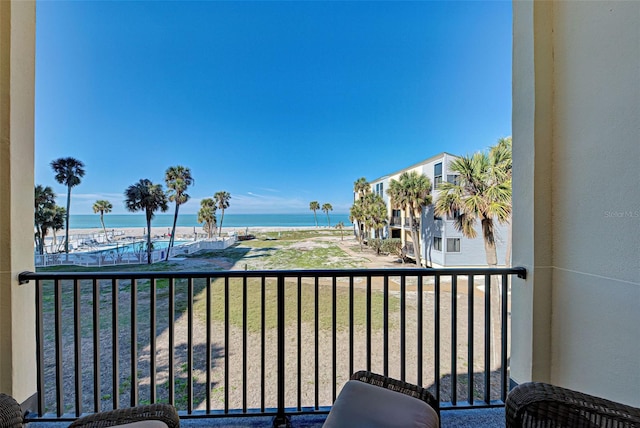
532,184
17,308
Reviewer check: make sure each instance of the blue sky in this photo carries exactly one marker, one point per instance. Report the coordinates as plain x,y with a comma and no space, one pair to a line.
278,103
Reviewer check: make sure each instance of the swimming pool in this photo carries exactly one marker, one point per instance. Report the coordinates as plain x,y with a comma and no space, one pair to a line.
135,247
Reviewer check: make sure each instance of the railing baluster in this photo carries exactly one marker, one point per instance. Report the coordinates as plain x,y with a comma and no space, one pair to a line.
244,344
207,319
419,296
504,338
299,351
77,347
368,317
152,340
115,340
190,345
470,359
58,336
263,356
172,332
403,321
281,416
40,346
134,343
436,335
97,375
350,325
454,339
226,344
385,326
316,309
487,339
334,355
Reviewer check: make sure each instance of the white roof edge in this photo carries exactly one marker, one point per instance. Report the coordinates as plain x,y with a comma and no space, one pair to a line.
425,161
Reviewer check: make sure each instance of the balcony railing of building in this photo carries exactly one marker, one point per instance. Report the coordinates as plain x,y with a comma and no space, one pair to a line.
237,343
396,221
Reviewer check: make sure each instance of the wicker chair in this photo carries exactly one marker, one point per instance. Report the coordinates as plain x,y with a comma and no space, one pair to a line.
538,405
10,412
11,416
382,402
154,412
399,386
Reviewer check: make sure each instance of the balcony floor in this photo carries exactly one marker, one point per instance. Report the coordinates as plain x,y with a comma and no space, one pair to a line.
485,418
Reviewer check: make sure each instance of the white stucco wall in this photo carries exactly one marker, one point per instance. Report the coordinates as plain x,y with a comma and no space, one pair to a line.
576,123
17,308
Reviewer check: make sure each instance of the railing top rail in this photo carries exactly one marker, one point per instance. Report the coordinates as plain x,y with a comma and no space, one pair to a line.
521,272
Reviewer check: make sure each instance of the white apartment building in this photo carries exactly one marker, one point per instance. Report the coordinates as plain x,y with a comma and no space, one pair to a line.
441,244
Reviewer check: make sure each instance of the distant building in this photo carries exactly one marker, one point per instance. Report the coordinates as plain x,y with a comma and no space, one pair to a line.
442,245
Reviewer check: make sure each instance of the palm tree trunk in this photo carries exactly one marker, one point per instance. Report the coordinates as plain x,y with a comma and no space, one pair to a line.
66,229
173,230
221,220
104,229
415,239
315,217
148,239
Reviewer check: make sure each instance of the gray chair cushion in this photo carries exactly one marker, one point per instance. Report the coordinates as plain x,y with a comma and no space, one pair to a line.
364,405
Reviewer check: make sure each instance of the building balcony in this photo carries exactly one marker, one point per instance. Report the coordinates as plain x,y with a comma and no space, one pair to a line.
227,344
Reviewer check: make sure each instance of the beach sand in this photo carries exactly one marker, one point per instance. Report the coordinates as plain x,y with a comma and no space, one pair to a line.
182,232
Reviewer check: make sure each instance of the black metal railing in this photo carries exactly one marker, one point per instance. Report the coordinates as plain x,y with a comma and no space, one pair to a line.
227,343
395,221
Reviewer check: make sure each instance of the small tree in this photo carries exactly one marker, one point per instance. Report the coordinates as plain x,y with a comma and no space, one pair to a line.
103,207
326,208
148,197
207,216
68,171
223,199
178,179
411,192
314,206
340,227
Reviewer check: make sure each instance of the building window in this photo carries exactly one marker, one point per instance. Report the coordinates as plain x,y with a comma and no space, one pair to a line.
453,245
437,243
454,179
437,175
454,215
379,189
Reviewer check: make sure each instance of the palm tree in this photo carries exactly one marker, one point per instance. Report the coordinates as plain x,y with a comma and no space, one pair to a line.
357,216
410,193
314,206
68,171
340,227
375,213
222,198
207,216
178,179
148,197
361,187
44,206
103,207
56,222
482,193
326,208
503,171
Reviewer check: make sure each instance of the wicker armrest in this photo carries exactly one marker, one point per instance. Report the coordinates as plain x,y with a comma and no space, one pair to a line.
536,404
10,412
399,386
159,412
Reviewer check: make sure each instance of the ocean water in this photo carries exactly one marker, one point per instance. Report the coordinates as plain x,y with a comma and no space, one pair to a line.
88,221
